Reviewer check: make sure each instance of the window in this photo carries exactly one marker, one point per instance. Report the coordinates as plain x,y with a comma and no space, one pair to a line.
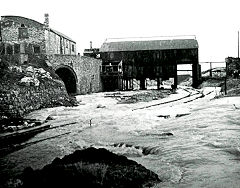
22,33
73,48
111,55
16,48
36,49
9,50
2,49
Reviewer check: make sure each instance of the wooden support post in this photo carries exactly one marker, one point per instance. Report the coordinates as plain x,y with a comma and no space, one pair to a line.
142,84
175,77
126,83
131,84
158,83
210,70
121,83
195,80
225,85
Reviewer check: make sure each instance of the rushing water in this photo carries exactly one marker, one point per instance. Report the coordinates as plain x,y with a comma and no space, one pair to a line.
204,150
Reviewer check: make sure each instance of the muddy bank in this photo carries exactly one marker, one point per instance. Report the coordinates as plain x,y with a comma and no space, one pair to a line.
88,168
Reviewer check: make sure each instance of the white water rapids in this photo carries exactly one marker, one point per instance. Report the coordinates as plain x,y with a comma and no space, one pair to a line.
204,150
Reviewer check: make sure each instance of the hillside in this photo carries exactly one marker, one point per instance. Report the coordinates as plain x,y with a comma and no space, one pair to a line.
217,80
28,87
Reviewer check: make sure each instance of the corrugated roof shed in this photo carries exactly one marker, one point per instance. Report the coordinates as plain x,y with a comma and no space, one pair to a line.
149,45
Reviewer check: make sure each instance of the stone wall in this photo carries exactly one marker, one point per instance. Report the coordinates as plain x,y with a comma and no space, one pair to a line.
86,69
27,32
13,32
57,44
22,20
52,43
90,80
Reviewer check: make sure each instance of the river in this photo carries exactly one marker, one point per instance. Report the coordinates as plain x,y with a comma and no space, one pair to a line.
204,150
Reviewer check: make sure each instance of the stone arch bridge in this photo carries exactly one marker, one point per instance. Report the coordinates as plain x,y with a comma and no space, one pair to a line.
80,74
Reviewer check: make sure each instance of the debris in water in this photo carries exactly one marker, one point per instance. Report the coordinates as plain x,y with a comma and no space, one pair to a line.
235,106
180,115
164,116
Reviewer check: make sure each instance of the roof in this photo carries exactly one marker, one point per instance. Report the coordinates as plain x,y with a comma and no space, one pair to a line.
149,45
22,20
64,36
28,21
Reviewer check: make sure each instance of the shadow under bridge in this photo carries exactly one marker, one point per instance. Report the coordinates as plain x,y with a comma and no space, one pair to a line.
69,77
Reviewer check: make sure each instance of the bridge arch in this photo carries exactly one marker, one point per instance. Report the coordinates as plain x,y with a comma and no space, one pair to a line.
68,76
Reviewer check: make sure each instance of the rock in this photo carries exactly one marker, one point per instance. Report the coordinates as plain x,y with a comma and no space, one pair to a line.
49,118
101,106
90,167
25,123
167,134
30,69
29,81
12,183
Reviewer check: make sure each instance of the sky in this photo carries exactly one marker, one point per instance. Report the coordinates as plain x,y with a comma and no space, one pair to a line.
215,23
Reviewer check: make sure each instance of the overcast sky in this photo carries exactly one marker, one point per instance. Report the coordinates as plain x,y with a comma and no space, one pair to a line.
214,22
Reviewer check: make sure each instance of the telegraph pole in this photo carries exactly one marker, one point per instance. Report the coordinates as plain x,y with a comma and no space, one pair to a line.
238,44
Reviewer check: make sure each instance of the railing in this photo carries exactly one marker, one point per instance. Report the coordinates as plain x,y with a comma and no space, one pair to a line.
111,69
213,69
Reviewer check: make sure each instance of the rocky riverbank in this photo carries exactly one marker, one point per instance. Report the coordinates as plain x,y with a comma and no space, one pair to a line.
28,87
89,167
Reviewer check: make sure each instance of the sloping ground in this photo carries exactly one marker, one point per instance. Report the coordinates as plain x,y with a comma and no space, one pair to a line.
217,80
27,87
216,72
183,77
89,168
233,85
210,82
186,82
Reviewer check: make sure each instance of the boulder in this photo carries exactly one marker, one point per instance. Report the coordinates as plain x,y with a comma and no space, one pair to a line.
90,167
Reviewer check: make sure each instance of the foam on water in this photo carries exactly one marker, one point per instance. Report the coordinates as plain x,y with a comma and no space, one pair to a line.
203,150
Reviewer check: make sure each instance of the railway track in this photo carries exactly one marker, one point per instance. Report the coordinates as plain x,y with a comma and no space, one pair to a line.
192,94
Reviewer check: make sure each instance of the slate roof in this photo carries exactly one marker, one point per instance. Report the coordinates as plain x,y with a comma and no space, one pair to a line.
149,45
61,34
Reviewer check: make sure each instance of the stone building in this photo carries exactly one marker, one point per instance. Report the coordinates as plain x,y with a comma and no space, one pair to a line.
25,35
26,41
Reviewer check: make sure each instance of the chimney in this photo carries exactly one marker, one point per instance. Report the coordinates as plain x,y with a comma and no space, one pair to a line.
90,44
46,21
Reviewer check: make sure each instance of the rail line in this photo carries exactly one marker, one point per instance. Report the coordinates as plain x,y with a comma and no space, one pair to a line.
189,95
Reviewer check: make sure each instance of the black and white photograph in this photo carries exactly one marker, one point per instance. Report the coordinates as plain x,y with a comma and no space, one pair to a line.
119,94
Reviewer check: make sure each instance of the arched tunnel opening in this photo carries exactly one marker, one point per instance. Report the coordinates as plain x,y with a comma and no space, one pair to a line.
68,78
